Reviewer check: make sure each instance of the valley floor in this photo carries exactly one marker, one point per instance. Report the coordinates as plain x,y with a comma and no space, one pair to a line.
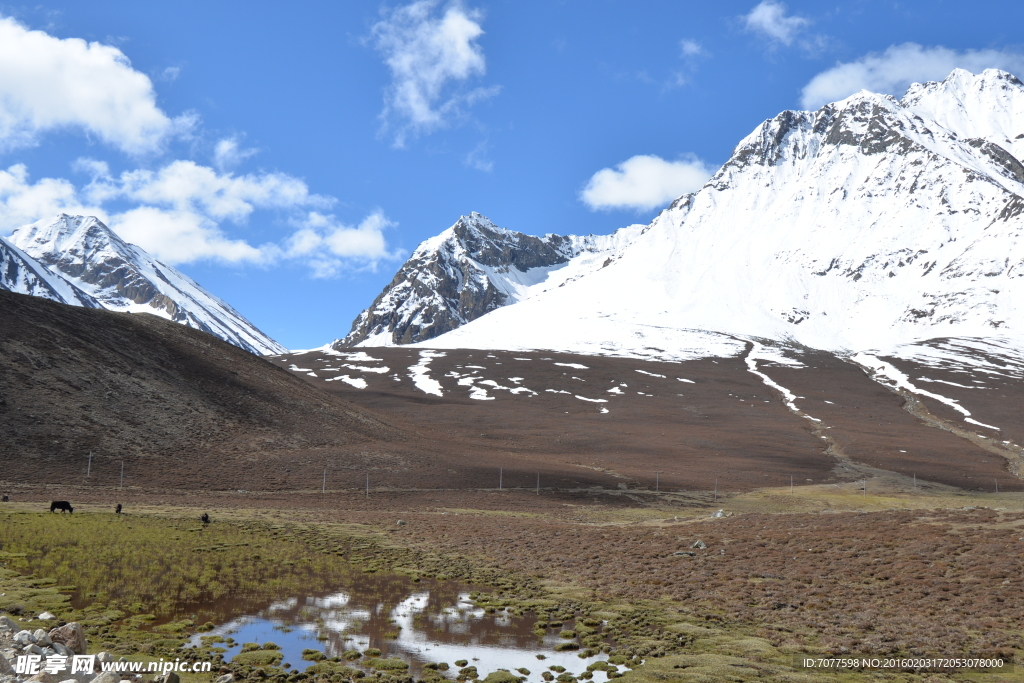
822,570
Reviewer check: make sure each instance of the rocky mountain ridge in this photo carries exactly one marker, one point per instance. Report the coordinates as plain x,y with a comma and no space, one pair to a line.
20,273
470,269
78,260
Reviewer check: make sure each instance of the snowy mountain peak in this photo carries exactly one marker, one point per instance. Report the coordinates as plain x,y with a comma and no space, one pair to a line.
81,238
988,106
470,269
869,223
119,276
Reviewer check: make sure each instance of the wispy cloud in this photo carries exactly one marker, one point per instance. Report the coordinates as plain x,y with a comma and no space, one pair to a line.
478,157
644,182
228,153
892,71
769,19
432,55
690,48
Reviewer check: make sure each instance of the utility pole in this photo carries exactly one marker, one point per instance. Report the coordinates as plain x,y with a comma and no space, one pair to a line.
657,481
88,468
323,487
716,490
791,484
501,472
538,483
122,474
367,485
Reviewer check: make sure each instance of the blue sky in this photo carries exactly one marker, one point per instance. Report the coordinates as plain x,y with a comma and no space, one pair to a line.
288,156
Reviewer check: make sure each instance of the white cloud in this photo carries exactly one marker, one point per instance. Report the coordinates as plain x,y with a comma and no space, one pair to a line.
429,56
892,71
187,186
690,48
328,244
178,214
23,202
177,236
48,83
769,18
644,182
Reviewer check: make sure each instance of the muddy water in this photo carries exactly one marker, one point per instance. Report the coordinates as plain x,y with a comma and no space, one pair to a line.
427,621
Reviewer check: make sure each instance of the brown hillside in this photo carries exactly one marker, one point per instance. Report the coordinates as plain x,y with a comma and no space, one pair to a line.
176,405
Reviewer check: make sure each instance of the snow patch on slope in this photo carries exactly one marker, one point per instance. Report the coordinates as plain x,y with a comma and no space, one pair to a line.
886,373
419,374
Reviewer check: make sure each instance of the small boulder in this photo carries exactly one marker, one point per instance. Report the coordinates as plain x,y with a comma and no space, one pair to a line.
719,513
5,667
46,616
7,624
107,677
33,649
688,553
62,649
699,544
42,638
226,678
71,635
169,677
104,657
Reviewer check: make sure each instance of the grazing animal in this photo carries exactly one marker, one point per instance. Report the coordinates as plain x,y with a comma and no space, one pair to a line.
117,510
61,505
205,518
7,499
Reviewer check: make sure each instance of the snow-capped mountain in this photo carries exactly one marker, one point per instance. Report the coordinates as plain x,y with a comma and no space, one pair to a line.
870,223
20,273
85,263
473,268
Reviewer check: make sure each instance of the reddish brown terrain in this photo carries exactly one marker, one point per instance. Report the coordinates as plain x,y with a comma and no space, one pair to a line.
181,409
722,423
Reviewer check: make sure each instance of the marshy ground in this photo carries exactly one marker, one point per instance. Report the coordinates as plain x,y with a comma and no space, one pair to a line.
821,570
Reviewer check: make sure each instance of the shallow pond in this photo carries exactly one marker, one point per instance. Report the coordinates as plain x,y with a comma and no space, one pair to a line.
428,621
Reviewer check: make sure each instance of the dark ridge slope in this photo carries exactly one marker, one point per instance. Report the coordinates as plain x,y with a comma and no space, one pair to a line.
177,405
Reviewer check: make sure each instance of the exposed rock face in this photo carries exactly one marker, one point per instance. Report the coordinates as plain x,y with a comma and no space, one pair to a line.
468,270
100,270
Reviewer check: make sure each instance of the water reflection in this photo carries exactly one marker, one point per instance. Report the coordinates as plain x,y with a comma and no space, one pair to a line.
429,621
